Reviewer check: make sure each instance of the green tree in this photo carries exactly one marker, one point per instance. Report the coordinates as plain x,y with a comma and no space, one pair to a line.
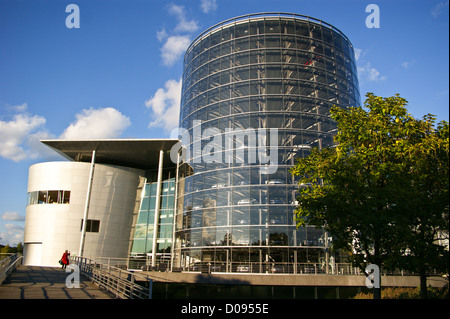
425,204
5,249
357,189
19,247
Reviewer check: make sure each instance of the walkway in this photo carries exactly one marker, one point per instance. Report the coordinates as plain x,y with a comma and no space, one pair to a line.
32,282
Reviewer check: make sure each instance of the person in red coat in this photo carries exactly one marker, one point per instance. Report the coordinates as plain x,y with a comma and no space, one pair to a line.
65,259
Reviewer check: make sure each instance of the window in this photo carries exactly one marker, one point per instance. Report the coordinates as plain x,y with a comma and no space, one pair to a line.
92,226
52,197
65,197
32,198
48,197
42,197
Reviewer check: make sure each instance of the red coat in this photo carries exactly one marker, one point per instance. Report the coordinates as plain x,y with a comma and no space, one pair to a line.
65,258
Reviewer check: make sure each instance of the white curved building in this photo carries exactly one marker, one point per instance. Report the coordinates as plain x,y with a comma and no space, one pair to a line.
61,194
53,221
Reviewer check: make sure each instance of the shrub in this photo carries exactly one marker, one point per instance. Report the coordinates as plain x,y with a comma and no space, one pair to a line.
406,293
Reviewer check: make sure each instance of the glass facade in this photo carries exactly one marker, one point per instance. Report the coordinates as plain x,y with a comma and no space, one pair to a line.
250,83
143,235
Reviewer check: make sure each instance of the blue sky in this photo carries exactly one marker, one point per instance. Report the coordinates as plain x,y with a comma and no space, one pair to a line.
118,74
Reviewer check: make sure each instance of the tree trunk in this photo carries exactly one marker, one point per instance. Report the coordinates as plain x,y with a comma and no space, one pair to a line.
377,290
377,293
423,285
377,261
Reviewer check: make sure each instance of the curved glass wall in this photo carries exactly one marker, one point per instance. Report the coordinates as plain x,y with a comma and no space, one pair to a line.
257,91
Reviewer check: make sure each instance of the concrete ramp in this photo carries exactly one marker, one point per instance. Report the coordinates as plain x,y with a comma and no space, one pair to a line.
33,282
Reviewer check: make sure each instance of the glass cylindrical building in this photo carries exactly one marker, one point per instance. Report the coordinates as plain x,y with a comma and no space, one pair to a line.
257,92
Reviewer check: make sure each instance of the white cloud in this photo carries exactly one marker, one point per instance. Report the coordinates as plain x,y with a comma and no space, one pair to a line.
13,234
183,25
165,105
178,39
14,135
439,8
208,5
369,73
357,53
407,64
161,35
366,72
36,148
174,48
20,108
20,137
97,123
13,216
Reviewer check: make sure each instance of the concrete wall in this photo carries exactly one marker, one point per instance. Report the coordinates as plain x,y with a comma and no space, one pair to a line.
290,280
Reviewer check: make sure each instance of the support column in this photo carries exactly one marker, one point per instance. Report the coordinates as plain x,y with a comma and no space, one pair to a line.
175,210
295,261
157,205
86,207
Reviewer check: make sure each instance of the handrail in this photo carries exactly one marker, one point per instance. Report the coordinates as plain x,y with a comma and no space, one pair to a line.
122,283
8,265
284,268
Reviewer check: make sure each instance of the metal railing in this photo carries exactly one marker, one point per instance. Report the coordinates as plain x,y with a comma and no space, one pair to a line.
283,268
122,283
273,268
140,263
8,264
116,262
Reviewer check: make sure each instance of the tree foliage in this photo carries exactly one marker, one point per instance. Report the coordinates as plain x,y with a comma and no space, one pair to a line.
382,191
4,250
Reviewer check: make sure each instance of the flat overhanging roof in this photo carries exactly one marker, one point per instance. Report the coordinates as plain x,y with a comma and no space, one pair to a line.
136,153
